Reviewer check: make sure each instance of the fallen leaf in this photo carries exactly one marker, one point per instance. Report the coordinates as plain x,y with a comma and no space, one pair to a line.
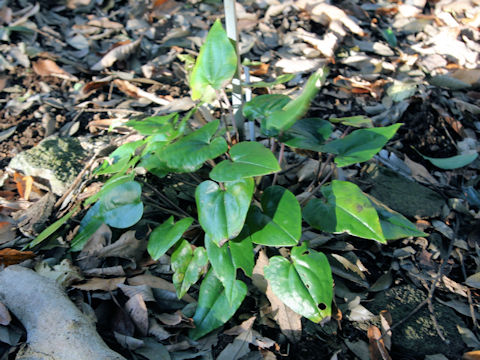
119,52
127,247
10,256
376,345
128,342
5,317
24,185
170,319
137,309
386,322
471,355
158,283
157,331
47,67
100,284
143,290
64,273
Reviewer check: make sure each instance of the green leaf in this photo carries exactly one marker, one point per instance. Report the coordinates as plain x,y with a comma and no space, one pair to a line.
248,159
361,145
188,265
359,121
109,185
279,80
280,224
122,206
454,162
162,126
241,249
283,119
394,225
164,236
308,134
306,286
345,209
213,309
389,35
189,153
222,212
90,223
52,228
120,158
215,66
222,264
262,106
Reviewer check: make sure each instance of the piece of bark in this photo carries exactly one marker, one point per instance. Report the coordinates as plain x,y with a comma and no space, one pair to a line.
56,328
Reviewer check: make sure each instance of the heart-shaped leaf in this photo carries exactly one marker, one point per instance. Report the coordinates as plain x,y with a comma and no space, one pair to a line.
120,158
216,64
306,285
345,208
280,224
190,152
361,145
241,249
248,159
188,265
161,126
262,106
308,134
394,225
222,212
164,236
122,206
213,309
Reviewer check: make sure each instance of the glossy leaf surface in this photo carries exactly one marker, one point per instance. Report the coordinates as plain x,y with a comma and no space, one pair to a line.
345,208
248,159
164,236
454,162
213,309
187,265
361,145
306,285
222,212
122,206
215,66
280,223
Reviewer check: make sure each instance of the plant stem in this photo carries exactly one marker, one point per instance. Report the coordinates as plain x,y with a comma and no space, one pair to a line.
280,159
231,111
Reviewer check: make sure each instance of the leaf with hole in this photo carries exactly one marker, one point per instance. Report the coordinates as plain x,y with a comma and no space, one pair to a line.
361,145
280,223
345,208
164,236
213,309
248,159
188,265
215,66
309,134
190,152
222,212
305,284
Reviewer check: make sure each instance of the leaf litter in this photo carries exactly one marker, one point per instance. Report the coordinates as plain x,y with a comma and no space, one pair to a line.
75,71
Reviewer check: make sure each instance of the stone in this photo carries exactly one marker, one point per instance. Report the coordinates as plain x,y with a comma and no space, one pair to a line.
55,160
417,335
405,196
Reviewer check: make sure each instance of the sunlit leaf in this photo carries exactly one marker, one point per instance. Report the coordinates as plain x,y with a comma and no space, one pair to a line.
309,134
164,236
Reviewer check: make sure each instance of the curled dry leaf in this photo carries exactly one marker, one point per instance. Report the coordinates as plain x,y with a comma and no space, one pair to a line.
157,331
143,290
136,92
100,284
376,345
128,342
47,67
11,256
117,53
170,319
137,309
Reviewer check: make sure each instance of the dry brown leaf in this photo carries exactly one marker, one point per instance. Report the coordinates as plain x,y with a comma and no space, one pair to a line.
100,284
128,342
386,322
376,345
136,92
170,319
157,331
325,13
10,256
106,271
471,355
157,283
258,278
244,326
259,70
5,316
127,247
92,86
290,322
119,52
24,185
137,309
469,76
7,230
47,67
143,290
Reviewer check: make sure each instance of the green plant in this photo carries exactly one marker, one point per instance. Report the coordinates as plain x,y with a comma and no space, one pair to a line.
231,221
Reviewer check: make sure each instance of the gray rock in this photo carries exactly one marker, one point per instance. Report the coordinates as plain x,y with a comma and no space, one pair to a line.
55,160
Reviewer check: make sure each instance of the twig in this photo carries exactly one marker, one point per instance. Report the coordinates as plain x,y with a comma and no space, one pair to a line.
280,159
325,179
